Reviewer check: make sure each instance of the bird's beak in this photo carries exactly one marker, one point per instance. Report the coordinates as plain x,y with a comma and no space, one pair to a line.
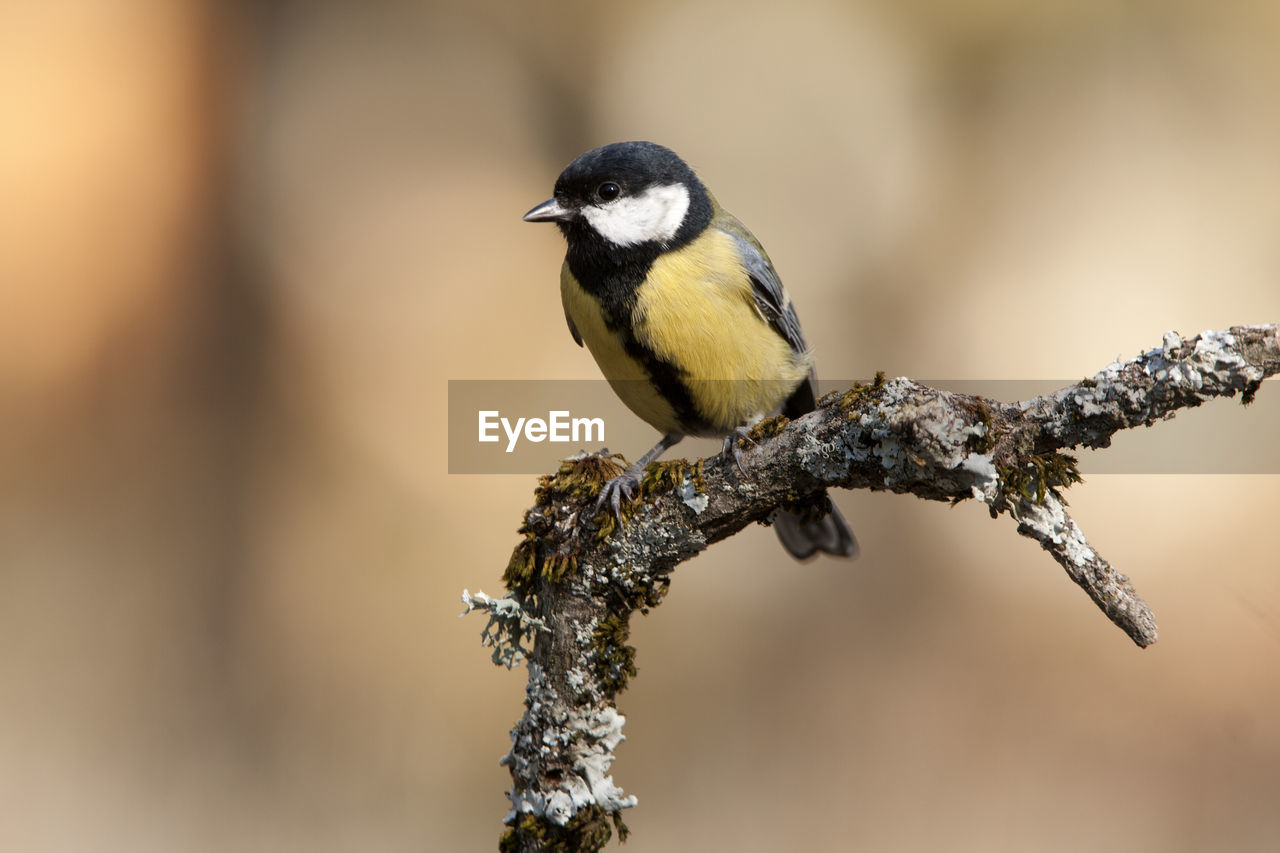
550,210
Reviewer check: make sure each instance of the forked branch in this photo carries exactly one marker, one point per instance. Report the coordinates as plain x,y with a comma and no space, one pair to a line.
573,587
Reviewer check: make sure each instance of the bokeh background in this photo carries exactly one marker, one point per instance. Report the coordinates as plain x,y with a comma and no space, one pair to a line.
243,246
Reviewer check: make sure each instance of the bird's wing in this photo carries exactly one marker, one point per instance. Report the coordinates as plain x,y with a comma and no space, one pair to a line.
774,304
766,288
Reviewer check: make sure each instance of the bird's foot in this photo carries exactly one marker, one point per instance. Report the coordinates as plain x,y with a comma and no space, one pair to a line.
731,449
625,486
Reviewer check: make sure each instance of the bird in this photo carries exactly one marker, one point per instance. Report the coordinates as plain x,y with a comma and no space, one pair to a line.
684,313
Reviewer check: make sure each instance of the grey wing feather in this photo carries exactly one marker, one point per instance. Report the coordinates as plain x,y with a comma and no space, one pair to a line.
775,306
771,298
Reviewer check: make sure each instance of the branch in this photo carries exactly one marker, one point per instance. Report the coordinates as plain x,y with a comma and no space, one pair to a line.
574,585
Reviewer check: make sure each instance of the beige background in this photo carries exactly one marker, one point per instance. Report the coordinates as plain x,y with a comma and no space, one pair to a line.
244,246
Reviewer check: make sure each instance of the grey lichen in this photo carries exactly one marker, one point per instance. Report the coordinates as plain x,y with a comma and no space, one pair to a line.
693,497
1048,523
509,631
580,743
1152,387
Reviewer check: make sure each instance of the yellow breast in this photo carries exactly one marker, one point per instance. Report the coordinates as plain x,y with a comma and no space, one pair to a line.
626,375
697,313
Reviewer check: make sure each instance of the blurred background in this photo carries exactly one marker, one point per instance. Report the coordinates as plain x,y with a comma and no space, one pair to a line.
243,247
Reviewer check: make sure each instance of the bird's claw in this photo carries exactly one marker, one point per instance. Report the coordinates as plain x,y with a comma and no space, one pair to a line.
731,449
625,486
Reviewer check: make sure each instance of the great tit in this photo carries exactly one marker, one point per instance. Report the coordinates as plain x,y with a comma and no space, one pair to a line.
683,312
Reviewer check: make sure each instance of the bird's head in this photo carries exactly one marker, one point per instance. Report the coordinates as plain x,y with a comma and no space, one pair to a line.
627,194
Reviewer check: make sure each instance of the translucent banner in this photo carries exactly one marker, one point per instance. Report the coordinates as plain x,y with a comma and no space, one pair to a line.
525,426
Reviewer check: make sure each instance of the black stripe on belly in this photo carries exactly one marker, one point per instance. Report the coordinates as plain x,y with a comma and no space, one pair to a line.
612,275
667,379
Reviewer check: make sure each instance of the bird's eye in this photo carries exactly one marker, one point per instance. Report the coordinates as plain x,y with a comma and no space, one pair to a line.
608,191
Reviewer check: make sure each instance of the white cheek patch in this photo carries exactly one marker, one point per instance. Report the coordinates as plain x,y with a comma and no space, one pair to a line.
653,215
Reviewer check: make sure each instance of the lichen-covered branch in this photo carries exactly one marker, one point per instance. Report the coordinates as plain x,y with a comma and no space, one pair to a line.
1048,523
574,582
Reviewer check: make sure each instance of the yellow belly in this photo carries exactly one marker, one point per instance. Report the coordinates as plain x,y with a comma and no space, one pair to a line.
696,313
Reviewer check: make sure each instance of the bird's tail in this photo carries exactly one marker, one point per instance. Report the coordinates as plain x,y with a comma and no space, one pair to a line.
803,538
